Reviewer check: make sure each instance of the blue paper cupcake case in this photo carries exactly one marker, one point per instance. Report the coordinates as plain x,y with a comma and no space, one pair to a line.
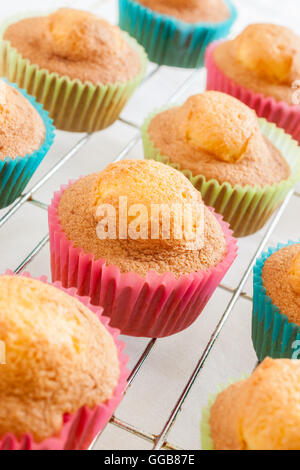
16,173
272,333
169,41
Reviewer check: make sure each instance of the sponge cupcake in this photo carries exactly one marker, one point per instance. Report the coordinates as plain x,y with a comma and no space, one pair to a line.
152,281
258,413
261,67
276,302
63,373
242,166
81,68
26,136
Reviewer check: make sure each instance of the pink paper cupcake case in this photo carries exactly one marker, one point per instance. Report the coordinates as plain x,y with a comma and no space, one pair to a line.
154,306
282,114
79,429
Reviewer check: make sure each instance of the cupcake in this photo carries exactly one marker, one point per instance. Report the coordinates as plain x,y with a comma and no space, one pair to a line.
176,32
243,167
26,136
261,67
63,373
139,241
82,69
258,413
276,302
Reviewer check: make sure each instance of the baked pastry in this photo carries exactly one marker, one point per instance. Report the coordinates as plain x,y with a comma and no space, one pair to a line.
59,358
260,67
26,136
191,11
82,69
235,160
276,302
261,412
176,32
134,264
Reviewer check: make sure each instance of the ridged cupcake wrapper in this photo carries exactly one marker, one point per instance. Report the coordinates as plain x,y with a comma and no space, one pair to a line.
79,429
206,440
245,208
167,40
154,306
73,105
282,114
272,333
16,173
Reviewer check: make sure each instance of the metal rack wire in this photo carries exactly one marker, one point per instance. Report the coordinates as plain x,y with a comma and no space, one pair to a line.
159,441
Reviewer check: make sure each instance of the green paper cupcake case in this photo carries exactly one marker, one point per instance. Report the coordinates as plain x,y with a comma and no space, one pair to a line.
169,41
272,333
15,173
206,440
245,208
73,105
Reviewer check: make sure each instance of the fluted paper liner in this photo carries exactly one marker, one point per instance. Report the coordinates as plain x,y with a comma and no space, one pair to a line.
282,114
79,429
156,305
245,208
273,334
73,105
169,41
15,173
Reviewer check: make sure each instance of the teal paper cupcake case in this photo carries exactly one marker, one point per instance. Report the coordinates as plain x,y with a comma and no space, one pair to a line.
272,333
169,41
15,173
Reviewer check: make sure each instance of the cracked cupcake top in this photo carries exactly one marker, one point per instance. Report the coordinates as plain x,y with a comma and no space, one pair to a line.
77,44
264,58
261,412
145,185
59,357
217,136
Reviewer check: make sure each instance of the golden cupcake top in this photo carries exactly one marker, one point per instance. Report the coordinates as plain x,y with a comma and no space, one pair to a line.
146,187
190,11
79,35
215,135
281,279
22,130
77,44
59,357
270,51
263,410
220,125
142,215
264,58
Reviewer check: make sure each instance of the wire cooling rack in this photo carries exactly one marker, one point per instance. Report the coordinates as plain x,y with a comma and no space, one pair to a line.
160,439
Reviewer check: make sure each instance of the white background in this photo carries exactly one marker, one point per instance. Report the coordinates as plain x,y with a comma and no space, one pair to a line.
156,389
